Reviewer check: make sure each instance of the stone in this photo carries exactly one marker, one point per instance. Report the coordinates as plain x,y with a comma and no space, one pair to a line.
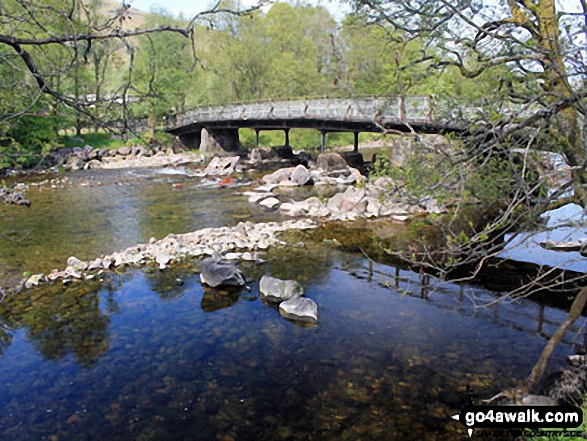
75,163
299,309
72,272
373,207
76,264
124,151
215,272
95,264
300,175
107,262
221,166
257,197
162,258
277,290
384,183
277,176
572,245
353,159
34,280
93,165
270,202
282,151
266,187
431,206
330,162
259,154
537,400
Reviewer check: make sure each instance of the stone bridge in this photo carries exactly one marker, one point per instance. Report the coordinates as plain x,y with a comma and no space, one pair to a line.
211,128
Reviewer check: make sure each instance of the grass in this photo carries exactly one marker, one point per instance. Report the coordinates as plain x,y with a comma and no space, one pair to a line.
304,139
100,140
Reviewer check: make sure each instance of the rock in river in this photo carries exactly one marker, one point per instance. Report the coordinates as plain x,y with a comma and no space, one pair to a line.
300,309
277,290
215,272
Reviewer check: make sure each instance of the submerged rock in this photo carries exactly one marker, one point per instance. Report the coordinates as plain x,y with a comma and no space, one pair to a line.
300,309
214,272
277,290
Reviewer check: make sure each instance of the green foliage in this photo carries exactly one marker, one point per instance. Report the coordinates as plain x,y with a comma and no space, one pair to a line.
305,139
423,173
27,140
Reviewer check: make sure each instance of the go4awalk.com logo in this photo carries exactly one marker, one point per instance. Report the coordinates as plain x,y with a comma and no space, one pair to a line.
520,417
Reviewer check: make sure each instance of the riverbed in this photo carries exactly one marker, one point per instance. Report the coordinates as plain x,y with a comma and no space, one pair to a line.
148,354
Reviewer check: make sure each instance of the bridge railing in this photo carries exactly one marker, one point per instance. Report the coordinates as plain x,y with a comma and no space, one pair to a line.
365,109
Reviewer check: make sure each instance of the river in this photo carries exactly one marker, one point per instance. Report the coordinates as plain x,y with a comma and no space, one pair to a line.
152,355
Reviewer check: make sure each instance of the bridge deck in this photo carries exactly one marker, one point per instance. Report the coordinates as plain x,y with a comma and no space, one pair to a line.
371,114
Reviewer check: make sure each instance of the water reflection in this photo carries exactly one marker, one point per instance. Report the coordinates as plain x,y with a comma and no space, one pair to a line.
150,361
215,299
59,320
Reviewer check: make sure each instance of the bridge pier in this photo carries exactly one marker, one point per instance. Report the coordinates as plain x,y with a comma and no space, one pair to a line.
219,140
356,147
323,141
286,137
191,140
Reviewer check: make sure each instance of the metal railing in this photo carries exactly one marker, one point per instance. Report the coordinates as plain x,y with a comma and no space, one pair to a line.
364,109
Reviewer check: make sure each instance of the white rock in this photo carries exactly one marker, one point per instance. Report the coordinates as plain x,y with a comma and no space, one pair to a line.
270,202
300,309
277,290
259,197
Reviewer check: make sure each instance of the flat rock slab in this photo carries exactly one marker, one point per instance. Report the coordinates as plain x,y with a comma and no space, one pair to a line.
277,290
257,197
270,202
299,309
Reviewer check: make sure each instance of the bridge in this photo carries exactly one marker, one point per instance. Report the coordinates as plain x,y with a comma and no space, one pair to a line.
210,128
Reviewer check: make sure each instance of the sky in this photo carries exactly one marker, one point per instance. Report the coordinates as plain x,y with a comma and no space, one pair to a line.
192,7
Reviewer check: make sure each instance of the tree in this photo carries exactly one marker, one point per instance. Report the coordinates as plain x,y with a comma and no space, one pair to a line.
533,54
61,51
525,37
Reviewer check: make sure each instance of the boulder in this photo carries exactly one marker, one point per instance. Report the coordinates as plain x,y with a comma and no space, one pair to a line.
215,272
262,154
277,176
221,166
277,290
300,175
283,151
354,159
330,162
373,207
349,201
299,309
312,207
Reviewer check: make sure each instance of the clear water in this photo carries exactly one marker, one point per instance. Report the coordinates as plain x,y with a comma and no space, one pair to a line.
141,356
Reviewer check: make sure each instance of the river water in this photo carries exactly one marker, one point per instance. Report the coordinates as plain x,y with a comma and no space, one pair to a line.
152,355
